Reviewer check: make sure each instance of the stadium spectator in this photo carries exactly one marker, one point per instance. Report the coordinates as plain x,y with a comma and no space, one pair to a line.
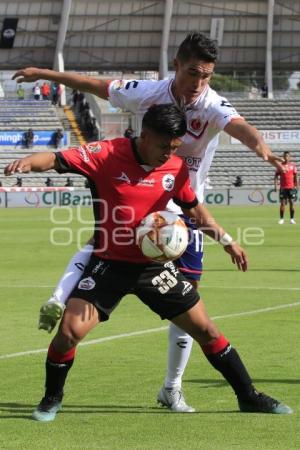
238,182
45,90
36,91
162,287
55,94
18,183
207,115
28,138
288,183
69,182
49,182
75,97
129,133
92,129
58,137
20,92
264,91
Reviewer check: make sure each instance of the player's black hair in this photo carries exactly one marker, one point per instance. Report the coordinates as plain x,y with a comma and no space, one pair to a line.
286,153
198,46
166,119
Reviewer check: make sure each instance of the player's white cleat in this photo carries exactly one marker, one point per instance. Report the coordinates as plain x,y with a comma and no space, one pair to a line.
47,409
50,313
174,400
293,221
281,221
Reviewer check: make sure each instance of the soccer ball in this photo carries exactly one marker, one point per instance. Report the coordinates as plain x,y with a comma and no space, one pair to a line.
162,236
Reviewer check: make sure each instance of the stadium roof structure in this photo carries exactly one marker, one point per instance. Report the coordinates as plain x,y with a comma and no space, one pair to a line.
128,35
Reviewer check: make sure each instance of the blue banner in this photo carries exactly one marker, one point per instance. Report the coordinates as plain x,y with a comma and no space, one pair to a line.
16,138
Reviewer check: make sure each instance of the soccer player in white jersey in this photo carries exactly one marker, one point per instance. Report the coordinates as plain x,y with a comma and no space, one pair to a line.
207,114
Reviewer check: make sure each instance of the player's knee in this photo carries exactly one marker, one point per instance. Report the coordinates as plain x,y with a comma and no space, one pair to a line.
70,335
207,333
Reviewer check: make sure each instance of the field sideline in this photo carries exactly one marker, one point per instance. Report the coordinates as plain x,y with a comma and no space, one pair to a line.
110,399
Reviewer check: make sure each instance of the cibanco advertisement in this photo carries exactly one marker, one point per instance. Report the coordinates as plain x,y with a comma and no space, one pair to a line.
48,197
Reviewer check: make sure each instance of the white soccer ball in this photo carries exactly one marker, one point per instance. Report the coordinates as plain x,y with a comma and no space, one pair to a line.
162,236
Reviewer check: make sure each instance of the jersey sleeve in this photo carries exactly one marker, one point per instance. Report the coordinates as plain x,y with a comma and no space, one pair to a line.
221,112
185,197
129,94
86,160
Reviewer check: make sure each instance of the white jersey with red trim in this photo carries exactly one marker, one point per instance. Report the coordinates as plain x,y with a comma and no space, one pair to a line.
206,117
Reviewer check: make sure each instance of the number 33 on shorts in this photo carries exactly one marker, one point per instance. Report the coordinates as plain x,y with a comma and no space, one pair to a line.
165,281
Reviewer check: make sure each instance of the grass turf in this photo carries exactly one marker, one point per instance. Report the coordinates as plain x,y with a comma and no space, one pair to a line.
110,400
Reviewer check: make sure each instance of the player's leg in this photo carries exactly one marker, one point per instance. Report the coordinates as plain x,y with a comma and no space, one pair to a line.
93,299
282,199
224,358
292,209
180,343
79,318
52,310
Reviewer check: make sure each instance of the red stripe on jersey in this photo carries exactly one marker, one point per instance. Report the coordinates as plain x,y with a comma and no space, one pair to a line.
184,269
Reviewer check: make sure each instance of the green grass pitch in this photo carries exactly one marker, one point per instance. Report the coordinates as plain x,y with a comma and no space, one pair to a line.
110,397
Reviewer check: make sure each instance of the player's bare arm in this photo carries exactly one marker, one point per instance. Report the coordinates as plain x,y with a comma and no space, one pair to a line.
73,80
38,162
247,134
209,226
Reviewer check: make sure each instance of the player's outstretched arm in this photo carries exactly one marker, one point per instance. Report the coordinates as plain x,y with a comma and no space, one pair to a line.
82,83
37,162
209,226
247,134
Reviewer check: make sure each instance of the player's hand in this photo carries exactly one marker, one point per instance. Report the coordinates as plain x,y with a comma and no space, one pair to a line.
277,161
238,255
28,74
19,166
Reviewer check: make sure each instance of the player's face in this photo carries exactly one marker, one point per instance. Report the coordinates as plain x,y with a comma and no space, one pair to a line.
191,78
287,158
156,149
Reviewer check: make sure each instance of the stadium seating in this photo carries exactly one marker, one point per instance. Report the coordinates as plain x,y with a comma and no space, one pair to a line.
19,115
22,114
237,160
230,160
270,114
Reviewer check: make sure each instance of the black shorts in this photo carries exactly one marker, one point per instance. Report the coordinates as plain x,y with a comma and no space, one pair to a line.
287,194
161,287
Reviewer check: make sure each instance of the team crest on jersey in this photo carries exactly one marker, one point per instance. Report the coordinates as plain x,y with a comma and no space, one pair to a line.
118,84
195,124
94,147
168,182
83,154
87,284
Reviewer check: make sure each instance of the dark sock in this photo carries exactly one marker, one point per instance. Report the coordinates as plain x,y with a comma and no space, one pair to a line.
230,365
56,375
57,368
292,213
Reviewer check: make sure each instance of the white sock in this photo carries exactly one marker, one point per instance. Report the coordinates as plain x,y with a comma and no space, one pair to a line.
72,274
180,346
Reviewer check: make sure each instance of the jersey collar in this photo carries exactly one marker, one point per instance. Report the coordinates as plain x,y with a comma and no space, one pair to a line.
189,106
